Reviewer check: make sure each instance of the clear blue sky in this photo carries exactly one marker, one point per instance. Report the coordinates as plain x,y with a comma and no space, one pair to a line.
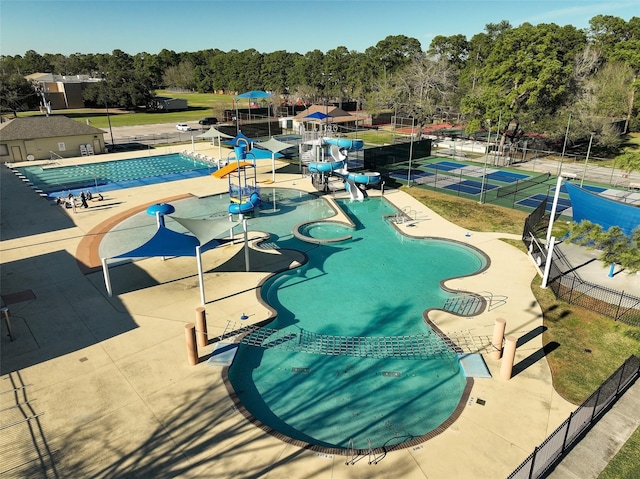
98,26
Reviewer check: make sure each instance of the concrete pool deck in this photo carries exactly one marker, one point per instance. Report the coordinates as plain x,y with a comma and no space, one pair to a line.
109,389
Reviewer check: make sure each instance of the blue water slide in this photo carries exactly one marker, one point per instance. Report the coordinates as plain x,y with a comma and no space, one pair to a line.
364,178
345,143
245,206
326,167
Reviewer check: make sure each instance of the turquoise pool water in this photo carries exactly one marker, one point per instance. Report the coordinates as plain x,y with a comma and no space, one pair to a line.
376,284
113,175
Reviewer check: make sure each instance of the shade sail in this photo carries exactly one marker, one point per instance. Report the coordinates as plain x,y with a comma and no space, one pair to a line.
213,133
206,230
165,242
602,211
274,145
254,94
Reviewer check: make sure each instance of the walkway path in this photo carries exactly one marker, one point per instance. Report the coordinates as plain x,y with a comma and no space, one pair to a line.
100,386
591,455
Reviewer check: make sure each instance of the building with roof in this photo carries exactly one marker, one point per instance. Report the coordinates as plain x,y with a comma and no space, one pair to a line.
45,137
322,118
62,91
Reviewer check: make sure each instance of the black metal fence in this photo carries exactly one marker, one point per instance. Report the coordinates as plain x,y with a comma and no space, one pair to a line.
548,454
568,286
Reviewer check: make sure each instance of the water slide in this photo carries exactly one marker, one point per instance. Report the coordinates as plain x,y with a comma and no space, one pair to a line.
244,196
245,206
339,149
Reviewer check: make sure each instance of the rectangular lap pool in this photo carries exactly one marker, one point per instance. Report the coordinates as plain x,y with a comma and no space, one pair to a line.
57,181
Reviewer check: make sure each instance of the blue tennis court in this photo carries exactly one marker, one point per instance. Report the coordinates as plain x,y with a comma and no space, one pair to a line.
506,176
404,174
470,187
451,163
534,202
445,166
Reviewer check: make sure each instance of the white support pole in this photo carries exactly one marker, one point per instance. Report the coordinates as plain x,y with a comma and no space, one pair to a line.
547,264
554,207
410,153
273,166
107,279
200,274
246,244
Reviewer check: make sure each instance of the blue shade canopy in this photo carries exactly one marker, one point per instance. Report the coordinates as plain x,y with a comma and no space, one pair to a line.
165,242
254,94
318,115
205,233
602,211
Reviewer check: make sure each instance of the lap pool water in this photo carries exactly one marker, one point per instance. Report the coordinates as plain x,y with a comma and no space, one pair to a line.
378,283
114,175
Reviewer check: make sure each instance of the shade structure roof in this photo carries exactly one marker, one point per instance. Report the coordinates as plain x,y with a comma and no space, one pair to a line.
602,211
317,115
334,114
213,133
273,145
167,242
254,94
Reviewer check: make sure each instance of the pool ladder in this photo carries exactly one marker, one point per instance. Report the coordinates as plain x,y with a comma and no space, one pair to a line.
354,455
406,215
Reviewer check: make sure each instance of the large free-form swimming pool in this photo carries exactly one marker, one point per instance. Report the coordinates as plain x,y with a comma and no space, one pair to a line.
377,284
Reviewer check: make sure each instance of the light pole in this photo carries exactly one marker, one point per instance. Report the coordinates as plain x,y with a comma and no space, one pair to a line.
564,146
486,159
584,171
410,153
106,107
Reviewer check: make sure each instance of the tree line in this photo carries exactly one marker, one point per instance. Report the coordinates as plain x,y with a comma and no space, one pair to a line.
531,78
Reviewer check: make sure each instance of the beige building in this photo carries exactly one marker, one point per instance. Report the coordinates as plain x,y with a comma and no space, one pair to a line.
46,137
62,91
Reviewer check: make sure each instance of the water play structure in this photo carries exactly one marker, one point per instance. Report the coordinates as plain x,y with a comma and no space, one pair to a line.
243,189
331,159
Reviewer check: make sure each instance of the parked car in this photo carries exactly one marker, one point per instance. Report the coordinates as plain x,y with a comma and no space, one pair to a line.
182,127
210,120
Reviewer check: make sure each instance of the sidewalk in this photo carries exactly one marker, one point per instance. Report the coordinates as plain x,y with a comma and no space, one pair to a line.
588,458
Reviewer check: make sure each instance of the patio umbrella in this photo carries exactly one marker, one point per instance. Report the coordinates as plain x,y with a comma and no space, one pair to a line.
250,95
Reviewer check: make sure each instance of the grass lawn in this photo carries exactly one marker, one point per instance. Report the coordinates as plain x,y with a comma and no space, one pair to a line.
468,213
199,106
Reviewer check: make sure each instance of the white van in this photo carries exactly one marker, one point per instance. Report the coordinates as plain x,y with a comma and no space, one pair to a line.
182,127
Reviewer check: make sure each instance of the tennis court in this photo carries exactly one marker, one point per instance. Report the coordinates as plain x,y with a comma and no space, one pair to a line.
502,186
535,200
